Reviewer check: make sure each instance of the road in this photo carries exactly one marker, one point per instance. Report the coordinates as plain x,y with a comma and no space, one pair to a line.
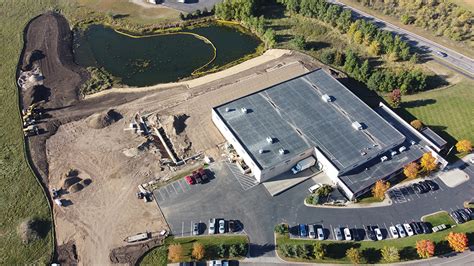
454,60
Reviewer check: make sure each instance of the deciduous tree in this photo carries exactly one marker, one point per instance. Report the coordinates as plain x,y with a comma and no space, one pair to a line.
395,98
457,241
425,248
417,124
411,170
464,146
198,251
390,254
175,252
354,255
319,250
379,189
428,162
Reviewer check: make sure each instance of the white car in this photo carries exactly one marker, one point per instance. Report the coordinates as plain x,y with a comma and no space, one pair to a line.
312,232
378,233
401,231
347,234
320,233
313,188
408,229
212,226
221,226
393,231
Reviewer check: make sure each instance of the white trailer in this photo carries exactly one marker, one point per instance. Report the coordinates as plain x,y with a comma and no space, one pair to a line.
137,237
303,164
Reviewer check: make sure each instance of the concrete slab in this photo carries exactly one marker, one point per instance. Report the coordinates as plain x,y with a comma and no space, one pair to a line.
454,177
287,180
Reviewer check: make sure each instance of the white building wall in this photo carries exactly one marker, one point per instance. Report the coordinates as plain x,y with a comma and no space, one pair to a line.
237,146
285,166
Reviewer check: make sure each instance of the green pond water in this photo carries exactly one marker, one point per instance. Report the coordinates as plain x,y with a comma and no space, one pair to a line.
159,59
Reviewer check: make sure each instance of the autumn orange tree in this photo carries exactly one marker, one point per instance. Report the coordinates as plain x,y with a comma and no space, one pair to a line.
425,248
428,162
379,189
175,252
411,170
416,124
464,146
457,241
198,251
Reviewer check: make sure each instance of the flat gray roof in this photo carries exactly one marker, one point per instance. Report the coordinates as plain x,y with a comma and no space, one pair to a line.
294,114
435,138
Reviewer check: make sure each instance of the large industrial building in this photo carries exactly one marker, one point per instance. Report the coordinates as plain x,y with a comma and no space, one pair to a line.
315,115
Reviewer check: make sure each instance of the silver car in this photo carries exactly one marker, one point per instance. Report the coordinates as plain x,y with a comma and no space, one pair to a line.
320,233
221,226
212,226
312,232
338,233
401,231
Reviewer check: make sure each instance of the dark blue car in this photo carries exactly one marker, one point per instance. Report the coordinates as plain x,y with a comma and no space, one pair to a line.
303,230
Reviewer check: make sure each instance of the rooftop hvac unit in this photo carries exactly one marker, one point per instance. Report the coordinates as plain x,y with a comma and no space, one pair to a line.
270,140
227,109
281,151
356,125
383,158
244,110
326,98
412,142
393,153
402,149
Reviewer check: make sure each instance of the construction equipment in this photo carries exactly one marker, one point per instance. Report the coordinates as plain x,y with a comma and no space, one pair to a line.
31,130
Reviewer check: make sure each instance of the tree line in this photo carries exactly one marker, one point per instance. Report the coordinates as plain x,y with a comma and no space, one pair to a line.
440,16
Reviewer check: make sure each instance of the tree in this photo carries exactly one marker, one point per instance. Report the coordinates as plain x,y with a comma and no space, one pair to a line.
319,250
281,229
417,124
221,250
457,241
379,189
198,251
411,170
181,16
298,42
358,37
395,98
364,71
175,252
390,254
327,57
234,251
354,255
269,38
428,162
425,248
374,48
464,146
338,58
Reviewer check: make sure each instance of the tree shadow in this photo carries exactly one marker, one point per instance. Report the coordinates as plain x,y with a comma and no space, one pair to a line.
436,81
372,255
317,45
442,247
338,250
257,250
40,93
417,103
408,253
42,227
272,10
283,38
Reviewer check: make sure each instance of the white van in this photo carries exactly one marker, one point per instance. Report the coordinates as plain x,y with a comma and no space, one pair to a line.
313,189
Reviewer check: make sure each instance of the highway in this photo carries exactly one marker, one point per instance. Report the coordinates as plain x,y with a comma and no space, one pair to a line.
447,57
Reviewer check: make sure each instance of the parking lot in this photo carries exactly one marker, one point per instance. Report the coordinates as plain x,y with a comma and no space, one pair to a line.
407,193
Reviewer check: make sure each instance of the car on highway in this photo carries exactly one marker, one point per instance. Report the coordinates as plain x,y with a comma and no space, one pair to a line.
401,231
196,229
212,226
393,232
408,229
311,231
378,233
338,233
347,234
221,226
303,230
370,233
425,227
442,54
190,180
320,233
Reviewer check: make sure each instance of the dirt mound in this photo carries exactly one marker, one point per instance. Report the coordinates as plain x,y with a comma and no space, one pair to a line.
175,128
99,121
70,181
67,254
76,188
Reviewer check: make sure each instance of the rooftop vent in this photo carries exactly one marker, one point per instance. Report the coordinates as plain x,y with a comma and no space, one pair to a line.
326,98
412,142
270,140
383,158
227,109
402,149
261,151
393,153
363,153
244,110
281,151
356,125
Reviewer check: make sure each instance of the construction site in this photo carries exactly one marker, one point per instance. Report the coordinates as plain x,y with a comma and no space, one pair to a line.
101,157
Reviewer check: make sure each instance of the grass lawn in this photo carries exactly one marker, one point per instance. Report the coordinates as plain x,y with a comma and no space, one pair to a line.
439,218
159,256
335,250
369,199
447,111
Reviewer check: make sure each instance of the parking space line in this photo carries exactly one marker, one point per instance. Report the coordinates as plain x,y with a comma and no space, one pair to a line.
182,228
158,196
164,191
331,232
178,189
181,185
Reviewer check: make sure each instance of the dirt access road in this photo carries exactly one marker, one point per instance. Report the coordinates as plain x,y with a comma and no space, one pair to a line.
109,162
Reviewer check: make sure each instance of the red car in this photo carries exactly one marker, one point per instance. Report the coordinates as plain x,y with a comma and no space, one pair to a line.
203,174
190,180
196,176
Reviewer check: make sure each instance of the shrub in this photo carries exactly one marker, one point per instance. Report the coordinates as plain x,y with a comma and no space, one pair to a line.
281,229
328,57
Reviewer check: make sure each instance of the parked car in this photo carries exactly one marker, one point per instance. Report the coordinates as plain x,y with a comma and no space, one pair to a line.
320,233
408,229
338,233
202,172
425,227
465,216
432,184
311,231
231,225
370,233
196,229
347,234
401,231
378,233
470,212
190,180
456,217
313,188
417,188
303,231
416,227
393,231
212,226
221,226
425,186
